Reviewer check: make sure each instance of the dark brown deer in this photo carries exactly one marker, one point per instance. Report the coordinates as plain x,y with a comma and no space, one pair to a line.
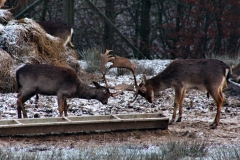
200,74
33,79
58,29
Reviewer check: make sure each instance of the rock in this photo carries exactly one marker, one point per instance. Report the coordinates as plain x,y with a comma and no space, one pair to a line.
36,115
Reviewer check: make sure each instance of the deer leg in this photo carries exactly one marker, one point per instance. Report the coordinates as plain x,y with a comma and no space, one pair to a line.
61,104
36,99
218,97
176,103
19,106
65,107
22,98
180,106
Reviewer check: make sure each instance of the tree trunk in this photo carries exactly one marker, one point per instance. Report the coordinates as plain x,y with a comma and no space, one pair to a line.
162,31
177,29
68,11
145,29
45,5
108,36
218,16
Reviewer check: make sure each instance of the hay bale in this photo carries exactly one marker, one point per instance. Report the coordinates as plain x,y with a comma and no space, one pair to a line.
5,16
27,42
7,81
26,33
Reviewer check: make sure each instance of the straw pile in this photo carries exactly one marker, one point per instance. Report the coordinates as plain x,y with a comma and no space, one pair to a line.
24,41
7,80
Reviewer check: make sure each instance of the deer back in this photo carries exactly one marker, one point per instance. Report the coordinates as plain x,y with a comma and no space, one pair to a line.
58,29
47,79
194,72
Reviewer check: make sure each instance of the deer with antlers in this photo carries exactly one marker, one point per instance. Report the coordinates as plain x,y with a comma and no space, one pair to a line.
200,74
62,82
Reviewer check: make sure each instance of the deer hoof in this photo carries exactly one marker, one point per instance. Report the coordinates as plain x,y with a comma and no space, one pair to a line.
213,125
171,122
179,119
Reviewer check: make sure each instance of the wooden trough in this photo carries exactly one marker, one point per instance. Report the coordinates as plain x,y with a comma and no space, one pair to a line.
78,124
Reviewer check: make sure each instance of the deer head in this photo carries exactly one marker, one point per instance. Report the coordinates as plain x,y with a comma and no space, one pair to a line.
144,91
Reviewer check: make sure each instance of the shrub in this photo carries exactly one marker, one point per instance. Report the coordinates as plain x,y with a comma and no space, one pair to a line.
92,57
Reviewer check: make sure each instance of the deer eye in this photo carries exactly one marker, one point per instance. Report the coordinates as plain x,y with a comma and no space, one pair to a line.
143,90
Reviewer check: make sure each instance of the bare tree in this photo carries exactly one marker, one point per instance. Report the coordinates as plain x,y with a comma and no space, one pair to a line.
68,11
108,36
145,28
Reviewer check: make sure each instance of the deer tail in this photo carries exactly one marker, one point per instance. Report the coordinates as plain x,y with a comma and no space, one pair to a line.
18,83
227,76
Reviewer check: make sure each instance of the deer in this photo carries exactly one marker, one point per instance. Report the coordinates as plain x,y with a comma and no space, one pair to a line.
63,82
58,29
202,74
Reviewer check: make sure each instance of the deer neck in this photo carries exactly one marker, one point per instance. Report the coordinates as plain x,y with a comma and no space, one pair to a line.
158,83
85,91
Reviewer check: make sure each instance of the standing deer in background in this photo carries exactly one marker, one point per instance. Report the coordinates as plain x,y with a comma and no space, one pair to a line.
58,29
200,74
63,82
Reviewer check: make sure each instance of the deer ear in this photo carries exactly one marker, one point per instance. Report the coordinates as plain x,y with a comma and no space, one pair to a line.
143,90
96,84
144,79
152,96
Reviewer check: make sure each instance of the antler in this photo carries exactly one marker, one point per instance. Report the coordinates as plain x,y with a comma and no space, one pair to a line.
119,62
122,87
136,93
105,58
